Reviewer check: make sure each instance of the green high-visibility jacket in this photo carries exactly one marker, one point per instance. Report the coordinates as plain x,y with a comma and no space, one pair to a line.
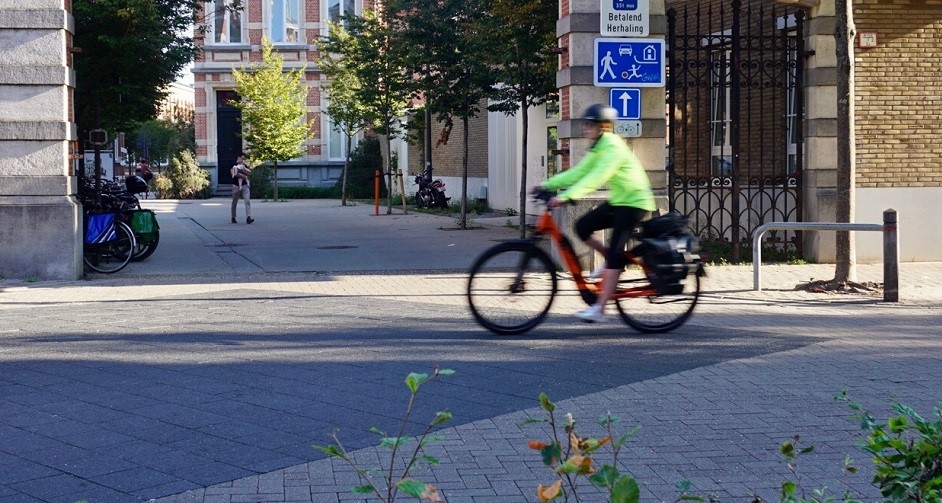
611,162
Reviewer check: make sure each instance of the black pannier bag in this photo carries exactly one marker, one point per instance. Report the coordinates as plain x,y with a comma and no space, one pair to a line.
135,184
665,247
672,224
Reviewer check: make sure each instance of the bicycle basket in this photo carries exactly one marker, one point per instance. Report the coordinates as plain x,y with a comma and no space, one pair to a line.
672,224
100,228
144,225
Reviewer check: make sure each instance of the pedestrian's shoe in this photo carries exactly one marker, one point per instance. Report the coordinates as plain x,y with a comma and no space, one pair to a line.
234,220
591,314
249,220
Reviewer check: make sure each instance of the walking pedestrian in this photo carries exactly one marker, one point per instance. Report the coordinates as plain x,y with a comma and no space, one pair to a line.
240,188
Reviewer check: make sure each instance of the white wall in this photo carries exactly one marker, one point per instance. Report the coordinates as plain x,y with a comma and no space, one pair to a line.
504,157
919,212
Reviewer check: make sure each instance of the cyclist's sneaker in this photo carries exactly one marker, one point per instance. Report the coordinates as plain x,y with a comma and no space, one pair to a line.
591,314
597,273
249,220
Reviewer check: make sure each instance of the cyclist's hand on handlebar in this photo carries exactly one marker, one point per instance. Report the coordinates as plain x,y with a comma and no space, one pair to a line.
555,202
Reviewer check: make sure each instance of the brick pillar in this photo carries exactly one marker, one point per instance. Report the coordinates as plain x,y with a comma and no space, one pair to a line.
820,173
577,29
40,226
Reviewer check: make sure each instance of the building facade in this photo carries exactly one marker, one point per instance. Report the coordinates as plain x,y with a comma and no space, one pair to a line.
232,40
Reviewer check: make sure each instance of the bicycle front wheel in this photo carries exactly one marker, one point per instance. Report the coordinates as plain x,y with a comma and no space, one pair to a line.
511,288
112,256
660,312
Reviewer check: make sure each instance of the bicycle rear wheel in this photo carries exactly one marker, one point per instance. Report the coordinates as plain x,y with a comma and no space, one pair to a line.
112,256
142,251
511,288
660,312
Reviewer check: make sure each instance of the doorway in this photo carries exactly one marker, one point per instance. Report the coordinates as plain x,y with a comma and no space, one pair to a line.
228,135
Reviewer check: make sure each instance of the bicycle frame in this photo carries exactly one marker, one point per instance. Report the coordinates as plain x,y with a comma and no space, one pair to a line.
546,226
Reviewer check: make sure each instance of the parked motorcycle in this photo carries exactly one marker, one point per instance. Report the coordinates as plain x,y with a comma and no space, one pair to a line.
431,193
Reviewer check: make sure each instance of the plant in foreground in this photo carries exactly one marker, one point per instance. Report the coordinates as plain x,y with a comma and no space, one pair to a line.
386,483
907,452
576,456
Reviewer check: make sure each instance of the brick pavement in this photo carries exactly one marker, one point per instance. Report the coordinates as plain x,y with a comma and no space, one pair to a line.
717,425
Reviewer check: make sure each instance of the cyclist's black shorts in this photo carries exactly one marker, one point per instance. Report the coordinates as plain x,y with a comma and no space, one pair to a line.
621,219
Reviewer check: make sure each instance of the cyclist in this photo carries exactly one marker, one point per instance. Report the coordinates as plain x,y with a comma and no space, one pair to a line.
608,161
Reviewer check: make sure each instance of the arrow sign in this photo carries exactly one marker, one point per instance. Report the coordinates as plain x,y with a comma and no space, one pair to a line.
627,102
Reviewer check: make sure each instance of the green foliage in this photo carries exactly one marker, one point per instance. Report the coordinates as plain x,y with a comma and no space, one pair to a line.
396,479
274,110
579,456
721,252
348,114
183,178
301,192
167,138
131,51
907,452
260,180
364,161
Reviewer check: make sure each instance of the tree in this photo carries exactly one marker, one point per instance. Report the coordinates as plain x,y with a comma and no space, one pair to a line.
273,105
346,111
449,53
131,50
379,62
166,138
845,33
526,66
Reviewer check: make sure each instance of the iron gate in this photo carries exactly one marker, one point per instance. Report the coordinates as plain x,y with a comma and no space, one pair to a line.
735,116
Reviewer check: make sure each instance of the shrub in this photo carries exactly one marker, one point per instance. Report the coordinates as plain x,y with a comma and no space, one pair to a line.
308,192
261,180
365,159
184,177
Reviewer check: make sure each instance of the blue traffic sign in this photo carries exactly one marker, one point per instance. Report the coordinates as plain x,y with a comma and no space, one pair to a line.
639,62
627,102
625,4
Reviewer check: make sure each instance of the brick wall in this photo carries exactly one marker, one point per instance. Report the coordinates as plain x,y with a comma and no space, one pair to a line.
899,94
447,159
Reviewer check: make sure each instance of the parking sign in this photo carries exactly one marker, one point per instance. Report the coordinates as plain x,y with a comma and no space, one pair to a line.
639,62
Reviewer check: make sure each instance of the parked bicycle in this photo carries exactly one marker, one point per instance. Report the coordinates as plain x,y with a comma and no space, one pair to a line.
512,285
117,230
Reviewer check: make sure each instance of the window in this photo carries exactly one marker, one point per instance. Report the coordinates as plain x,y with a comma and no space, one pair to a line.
226,24
285,21
337,142
338,8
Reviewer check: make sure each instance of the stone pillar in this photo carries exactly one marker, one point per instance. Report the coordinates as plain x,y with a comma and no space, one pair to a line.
820,172
40,226
577,29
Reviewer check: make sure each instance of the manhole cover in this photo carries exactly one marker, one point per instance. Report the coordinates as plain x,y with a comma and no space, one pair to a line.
336,247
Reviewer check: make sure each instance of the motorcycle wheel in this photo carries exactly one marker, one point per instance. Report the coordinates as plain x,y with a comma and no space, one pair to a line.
440,201
423,199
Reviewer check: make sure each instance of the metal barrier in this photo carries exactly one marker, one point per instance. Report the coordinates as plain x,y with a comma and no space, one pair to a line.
890,247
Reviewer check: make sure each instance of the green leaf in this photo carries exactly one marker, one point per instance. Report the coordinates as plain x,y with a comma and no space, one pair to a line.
445,372
411,487
531,420
608,420
432,460
624,438
626,490
390,442
788,488
414,380
364,489
545,402
330,450
552,453
431,438
787,449
806,450
377,431
683,485
897,424
605,477
441,417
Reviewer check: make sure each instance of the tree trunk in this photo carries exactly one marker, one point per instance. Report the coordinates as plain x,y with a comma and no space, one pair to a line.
388,161
523,170
844,34
275,176
464,176
346,164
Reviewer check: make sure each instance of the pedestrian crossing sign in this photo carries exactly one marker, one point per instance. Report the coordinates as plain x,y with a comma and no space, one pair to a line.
639,62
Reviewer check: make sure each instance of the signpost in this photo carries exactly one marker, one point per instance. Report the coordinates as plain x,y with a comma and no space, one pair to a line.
626,101
620,18
639,62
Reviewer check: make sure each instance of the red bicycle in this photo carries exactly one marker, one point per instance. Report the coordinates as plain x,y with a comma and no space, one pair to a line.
511,286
